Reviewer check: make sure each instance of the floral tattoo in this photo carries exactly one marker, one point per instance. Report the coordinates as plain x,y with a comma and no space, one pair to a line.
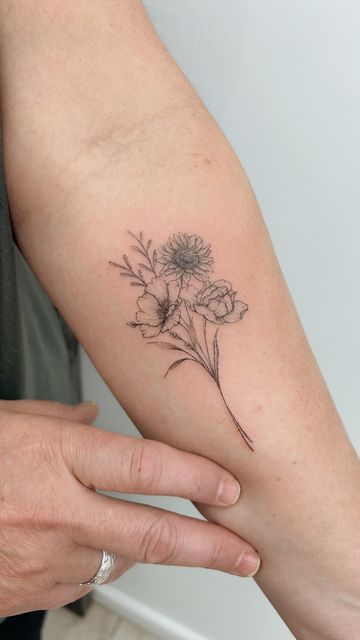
181,302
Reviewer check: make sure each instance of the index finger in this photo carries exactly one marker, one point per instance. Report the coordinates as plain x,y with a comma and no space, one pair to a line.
113,462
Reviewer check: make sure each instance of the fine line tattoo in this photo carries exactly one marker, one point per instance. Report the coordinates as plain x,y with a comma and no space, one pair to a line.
179,299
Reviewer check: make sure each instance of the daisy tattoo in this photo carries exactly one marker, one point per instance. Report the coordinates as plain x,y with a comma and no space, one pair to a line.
181,301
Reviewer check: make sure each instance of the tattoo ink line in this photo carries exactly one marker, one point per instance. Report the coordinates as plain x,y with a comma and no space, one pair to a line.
180,290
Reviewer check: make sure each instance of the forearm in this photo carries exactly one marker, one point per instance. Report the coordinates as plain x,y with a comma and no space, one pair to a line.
90,155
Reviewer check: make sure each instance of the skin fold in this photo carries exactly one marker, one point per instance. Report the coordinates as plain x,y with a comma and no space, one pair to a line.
107,137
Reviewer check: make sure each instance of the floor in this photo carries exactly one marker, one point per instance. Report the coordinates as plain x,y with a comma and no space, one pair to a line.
99,623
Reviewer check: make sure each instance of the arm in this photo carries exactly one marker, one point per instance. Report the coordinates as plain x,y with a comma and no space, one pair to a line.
108,137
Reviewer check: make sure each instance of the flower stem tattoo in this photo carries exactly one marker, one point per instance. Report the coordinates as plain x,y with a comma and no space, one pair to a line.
179,301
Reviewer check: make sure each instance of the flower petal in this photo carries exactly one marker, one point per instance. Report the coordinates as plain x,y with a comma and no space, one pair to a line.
204,265
237,313
221,310
205,311
228,303
149,332
171,321
158,288
173,291
214,305
207,293
189,293
173,271
223,283
158,267
200,242
149,310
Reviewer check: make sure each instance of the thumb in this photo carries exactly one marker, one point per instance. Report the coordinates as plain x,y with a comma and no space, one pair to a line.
84,412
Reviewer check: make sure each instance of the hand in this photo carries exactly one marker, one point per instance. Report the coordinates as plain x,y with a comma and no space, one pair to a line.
53,525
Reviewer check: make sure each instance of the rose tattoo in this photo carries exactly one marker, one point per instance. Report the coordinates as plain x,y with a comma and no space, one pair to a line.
181,302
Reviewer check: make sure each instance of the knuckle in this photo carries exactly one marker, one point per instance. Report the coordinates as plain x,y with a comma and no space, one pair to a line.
29,516
218,552
77,448
42,516
159,542
32,568
73,441
145,467
198,484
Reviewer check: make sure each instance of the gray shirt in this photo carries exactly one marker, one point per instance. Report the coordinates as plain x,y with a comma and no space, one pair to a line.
38,352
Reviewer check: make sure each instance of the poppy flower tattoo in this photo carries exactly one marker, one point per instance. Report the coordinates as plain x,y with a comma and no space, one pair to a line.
181,302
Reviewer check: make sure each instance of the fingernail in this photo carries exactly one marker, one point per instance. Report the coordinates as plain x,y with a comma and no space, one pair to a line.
229,491
248,564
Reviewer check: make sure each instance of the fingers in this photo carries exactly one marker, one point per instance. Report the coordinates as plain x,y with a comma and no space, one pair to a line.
147,534
112,462
83,563
84,412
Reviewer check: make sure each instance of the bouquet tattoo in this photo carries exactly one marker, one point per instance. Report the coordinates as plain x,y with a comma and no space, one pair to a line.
181,303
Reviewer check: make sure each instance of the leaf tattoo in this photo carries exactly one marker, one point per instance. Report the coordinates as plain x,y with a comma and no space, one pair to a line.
178,293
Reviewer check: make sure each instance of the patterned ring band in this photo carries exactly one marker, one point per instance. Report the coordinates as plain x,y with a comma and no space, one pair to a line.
106,567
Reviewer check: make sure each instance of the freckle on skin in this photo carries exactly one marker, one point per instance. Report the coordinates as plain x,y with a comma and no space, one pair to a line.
294,461
278,478
207,161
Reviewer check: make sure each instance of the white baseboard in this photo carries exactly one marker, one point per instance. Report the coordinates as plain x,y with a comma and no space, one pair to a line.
142,615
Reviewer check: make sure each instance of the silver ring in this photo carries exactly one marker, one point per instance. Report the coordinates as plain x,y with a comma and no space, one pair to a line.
106,567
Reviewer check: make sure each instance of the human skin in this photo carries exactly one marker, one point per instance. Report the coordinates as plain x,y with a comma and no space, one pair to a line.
53,525
108,137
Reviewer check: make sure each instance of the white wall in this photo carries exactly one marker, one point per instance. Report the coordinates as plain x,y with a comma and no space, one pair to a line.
281,77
